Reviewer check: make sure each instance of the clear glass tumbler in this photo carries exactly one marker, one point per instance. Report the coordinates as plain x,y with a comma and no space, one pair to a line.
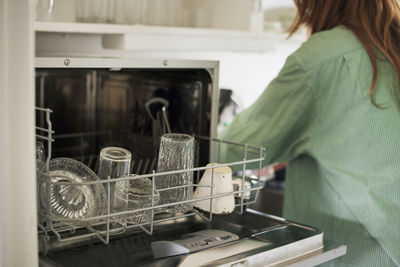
95,11
130,11
40,151
115,162
176,153
139,195
44,10
157,12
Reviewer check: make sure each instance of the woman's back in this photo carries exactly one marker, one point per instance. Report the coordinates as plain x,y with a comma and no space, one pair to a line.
354,150
343,152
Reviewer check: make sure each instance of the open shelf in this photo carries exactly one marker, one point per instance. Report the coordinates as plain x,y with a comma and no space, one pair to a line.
145,38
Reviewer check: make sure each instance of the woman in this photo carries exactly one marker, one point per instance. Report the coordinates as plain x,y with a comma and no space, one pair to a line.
333,114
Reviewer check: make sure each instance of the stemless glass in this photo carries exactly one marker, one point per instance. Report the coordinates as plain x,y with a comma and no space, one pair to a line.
176,153
44,10
139,195
157,12
115,162
130,11
40,151
95,11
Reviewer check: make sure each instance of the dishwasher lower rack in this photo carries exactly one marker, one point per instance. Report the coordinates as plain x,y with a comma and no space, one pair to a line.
105,225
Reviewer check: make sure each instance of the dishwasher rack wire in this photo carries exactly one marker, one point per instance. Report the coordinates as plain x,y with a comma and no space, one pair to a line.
104,225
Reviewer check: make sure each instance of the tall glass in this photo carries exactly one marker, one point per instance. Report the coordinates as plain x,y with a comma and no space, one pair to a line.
44,10
176,153
130,11
114,163
95,11
157,12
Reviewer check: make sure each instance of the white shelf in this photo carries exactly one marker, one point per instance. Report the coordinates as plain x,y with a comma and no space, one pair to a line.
155,38
98,28
75,27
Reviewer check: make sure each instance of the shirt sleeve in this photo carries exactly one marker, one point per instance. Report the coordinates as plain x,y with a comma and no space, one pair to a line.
280,120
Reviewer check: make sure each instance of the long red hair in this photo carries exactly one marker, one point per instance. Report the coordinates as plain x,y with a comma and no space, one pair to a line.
376,23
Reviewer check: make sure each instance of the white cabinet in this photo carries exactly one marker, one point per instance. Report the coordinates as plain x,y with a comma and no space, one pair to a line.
246,36
18,235
216,14
204,25
110,39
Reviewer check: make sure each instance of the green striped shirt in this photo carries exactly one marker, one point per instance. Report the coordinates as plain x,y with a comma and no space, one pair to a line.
343,153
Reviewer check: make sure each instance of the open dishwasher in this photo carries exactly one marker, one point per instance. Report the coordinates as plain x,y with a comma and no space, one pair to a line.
84,105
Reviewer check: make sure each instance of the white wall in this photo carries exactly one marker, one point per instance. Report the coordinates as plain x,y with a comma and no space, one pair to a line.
247,74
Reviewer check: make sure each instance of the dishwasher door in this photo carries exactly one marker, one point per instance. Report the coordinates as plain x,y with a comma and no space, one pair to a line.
264,240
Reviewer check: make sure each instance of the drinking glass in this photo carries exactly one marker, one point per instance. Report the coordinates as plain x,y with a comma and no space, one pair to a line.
130,11
95,11
165,12
176,153
115,162
44,10
138,195
157,12
174,13
40,151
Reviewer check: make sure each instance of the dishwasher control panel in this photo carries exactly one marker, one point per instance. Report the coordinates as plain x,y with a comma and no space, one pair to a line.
191,243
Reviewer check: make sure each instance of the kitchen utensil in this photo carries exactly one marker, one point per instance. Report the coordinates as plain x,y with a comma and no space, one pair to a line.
176,153
237,186
222,184
74,201
250,195
160,124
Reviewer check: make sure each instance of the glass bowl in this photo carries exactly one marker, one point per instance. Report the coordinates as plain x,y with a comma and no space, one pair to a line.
72,202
